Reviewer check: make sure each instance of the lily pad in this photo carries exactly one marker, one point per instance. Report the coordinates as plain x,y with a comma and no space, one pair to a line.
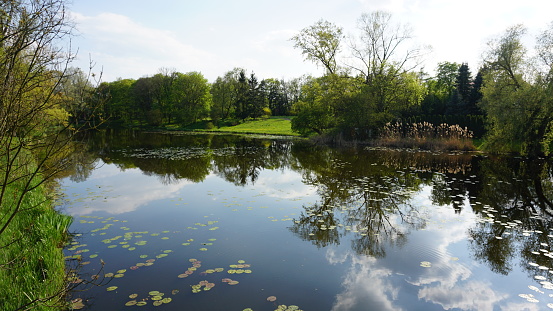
111,288
426,264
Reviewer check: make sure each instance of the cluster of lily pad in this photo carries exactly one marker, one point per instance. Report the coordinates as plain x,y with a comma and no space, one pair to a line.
155,296
198,287
195,265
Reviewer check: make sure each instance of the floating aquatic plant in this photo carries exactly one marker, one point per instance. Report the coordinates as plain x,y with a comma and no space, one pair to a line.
425,264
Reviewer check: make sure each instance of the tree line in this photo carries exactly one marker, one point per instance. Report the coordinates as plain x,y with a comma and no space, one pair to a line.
171,97
374,79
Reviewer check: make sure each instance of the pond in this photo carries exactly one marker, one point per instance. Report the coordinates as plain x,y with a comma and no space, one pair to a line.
221,222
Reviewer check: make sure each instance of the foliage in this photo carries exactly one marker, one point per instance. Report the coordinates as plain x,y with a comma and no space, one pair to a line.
39,91
320,43
191,97
223,92
317,110
518,101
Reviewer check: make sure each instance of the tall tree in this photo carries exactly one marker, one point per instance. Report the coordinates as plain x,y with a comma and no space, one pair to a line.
380,51
256,100
460,98
224,95
320,43
191,97
517,93
143,99
440,89
382,65
161,88
276,97
241,102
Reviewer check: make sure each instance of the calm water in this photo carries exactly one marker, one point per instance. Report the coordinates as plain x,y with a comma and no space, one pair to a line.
224,222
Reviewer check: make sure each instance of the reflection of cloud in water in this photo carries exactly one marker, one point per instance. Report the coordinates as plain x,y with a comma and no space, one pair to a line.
283,185
472,295
448,283
366,286
134,189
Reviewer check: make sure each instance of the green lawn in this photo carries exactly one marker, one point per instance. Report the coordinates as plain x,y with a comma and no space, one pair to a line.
270,126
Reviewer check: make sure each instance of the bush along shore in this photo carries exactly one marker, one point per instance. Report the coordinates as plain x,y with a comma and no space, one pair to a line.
32,265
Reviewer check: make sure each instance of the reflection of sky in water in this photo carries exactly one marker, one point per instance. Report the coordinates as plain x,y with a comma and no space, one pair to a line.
135,189
449,284
255,222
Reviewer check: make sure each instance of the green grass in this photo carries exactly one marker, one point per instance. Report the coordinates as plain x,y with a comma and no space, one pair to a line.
270,126
32,267
281,126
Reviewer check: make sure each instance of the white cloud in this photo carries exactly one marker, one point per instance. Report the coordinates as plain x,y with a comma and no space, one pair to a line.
124,47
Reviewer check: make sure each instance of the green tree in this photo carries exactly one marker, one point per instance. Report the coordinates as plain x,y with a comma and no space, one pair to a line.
143,100
517,93
318,110
440,89
256,100
320,43
191,97
224,95
161,88
277,100
77,92
384,70
460,98
240,103
476,93
119,104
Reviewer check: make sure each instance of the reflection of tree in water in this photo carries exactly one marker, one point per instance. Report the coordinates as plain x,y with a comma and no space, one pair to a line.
237,159
516,200
366,191
243,163
360,194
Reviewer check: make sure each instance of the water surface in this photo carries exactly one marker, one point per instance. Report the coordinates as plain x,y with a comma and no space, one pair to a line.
219,222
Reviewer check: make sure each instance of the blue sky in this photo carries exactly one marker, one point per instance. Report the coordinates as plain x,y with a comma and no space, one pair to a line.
135,38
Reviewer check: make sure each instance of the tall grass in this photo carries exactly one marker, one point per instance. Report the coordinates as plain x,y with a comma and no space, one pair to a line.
426,136
32,265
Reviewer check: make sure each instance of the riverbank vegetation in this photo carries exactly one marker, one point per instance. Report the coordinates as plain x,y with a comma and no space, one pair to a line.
375,79
39,96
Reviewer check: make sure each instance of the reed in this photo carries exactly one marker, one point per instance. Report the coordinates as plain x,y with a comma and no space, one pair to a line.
426,136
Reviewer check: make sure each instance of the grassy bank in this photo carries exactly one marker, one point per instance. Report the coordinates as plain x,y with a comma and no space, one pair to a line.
269,126
32,266
266,126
